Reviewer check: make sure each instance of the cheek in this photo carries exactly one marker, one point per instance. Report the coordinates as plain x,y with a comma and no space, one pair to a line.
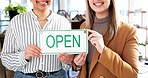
49,2
91,5
107,4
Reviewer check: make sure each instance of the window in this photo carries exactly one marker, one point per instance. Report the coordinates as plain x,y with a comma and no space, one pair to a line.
3,21
75,8
135,12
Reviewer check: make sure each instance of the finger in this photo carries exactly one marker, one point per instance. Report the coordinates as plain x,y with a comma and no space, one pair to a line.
67,55
91,31
65,59
78,57
70,55
34,54
82,59
94,39
90,36
37,48
30,54
93,43
33,49
62,55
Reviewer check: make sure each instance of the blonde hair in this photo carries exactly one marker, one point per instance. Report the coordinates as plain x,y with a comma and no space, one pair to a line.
112,24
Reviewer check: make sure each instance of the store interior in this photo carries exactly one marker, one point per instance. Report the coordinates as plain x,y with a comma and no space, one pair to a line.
134,12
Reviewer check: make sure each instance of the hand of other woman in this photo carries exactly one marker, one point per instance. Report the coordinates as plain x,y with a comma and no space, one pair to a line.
80,59
66,58
96,40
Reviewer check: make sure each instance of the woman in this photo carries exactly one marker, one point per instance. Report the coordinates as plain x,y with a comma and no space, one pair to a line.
21,52
113,47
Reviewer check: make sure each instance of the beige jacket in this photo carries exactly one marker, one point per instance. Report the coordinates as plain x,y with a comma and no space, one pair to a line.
119,59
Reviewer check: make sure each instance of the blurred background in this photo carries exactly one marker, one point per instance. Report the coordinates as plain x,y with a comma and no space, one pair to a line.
131,11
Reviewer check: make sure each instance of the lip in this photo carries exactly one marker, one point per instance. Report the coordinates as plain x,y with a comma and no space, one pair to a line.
98,3
42,2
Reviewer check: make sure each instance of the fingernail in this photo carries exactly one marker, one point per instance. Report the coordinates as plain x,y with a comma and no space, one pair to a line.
94,44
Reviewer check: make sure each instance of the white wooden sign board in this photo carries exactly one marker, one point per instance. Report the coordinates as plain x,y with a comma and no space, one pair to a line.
64,41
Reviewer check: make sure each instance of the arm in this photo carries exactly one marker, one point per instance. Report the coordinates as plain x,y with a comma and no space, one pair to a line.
126,64
11,56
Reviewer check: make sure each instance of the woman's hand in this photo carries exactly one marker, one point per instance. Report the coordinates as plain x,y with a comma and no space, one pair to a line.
32,51
66,58
96,40
80,59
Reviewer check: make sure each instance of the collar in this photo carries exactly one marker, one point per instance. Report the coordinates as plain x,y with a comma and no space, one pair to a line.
35,17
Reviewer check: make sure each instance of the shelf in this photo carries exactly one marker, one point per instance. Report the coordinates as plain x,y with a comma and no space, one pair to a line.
137,11
143,27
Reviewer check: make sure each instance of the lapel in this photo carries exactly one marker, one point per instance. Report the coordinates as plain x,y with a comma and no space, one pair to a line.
96,54
94,61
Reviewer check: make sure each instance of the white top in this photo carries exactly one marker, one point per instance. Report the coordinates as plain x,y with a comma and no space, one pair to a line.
24,30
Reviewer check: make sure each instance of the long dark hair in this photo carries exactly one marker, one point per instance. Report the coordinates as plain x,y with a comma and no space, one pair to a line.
112,24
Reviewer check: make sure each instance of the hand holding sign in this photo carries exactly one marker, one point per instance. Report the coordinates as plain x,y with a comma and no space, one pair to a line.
65,58
32,51
80,59
96,40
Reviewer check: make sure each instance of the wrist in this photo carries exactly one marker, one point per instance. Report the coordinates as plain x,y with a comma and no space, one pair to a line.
78,68
75,67
100,50
27,60
26,57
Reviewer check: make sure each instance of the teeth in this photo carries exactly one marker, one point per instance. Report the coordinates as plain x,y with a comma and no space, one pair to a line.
98,4
42,2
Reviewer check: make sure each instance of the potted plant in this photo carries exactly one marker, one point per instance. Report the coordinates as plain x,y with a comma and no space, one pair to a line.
12,10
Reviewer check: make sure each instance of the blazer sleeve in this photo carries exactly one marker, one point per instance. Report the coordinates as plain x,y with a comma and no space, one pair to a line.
125,65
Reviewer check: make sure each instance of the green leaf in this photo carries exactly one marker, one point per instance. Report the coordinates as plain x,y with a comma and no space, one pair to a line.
19,8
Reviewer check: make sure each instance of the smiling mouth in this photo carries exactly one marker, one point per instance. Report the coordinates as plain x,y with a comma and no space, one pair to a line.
42,2
99,4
